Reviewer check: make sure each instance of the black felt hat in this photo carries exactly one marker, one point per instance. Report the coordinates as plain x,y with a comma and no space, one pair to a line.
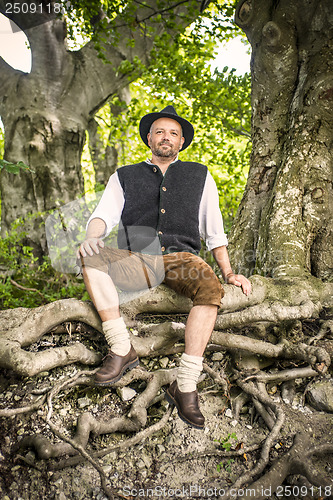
168,112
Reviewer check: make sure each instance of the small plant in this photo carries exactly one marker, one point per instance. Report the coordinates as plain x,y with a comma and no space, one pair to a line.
226,466
226,444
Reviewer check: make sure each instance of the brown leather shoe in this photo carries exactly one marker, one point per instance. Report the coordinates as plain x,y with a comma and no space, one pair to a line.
187,404
115,366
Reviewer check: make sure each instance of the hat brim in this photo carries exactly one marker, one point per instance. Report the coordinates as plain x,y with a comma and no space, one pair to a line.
147,121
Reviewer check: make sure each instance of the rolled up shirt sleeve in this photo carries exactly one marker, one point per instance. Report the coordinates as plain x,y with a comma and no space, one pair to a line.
210,217
111,204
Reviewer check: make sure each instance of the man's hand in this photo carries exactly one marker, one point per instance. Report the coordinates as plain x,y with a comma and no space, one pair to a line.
89,246
239,280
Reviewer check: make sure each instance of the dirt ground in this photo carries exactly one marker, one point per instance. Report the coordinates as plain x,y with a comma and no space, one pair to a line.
177,462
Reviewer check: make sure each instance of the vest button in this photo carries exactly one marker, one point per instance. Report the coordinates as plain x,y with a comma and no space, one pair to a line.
164,188
163,249
162,210
160,232
154,169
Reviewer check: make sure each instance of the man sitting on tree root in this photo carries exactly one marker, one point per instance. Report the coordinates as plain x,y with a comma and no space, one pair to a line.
163,207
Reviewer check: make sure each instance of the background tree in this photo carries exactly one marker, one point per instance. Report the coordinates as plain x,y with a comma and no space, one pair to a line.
284,223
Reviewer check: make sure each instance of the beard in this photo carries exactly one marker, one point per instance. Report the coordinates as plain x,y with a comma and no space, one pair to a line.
163,152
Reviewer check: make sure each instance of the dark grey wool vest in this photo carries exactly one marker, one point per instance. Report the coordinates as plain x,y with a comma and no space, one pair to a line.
161,213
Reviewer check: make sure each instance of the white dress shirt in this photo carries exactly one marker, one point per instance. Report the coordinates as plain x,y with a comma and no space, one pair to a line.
111,205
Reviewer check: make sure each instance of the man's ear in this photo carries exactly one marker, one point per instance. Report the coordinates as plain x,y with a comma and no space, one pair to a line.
148,138
182,142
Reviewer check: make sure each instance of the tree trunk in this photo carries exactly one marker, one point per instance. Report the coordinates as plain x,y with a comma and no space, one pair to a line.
284,224
52,146
46,113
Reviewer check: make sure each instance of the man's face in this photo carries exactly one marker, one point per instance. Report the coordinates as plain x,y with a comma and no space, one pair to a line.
165,138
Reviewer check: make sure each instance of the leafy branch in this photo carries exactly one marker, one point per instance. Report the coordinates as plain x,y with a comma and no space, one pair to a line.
14,168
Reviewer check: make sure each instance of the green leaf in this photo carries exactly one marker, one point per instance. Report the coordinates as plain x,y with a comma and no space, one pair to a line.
14,168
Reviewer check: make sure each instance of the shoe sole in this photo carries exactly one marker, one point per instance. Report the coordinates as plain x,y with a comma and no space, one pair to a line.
173,403
126,368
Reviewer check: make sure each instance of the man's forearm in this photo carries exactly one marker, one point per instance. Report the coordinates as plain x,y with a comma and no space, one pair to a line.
96,228
222,259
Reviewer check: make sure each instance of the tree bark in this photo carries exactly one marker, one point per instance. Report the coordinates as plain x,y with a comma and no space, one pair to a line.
46,112
284,222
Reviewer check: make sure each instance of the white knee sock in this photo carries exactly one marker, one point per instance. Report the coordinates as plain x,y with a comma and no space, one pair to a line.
189,371
117,336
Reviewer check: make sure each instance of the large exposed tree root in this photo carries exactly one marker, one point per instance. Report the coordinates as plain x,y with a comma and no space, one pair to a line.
22,327
269,308
296,461
87,424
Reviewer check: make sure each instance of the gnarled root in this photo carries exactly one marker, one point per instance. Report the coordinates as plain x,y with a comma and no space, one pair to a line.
87,424
278,412
316,356
259,313
22,327
296,461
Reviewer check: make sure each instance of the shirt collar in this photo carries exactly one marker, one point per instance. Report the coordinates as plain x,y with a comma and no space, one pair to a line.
150,163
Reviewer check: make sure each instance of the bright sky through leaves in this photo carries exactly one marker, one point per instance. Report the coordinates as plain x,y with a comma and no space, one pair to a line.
14,48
